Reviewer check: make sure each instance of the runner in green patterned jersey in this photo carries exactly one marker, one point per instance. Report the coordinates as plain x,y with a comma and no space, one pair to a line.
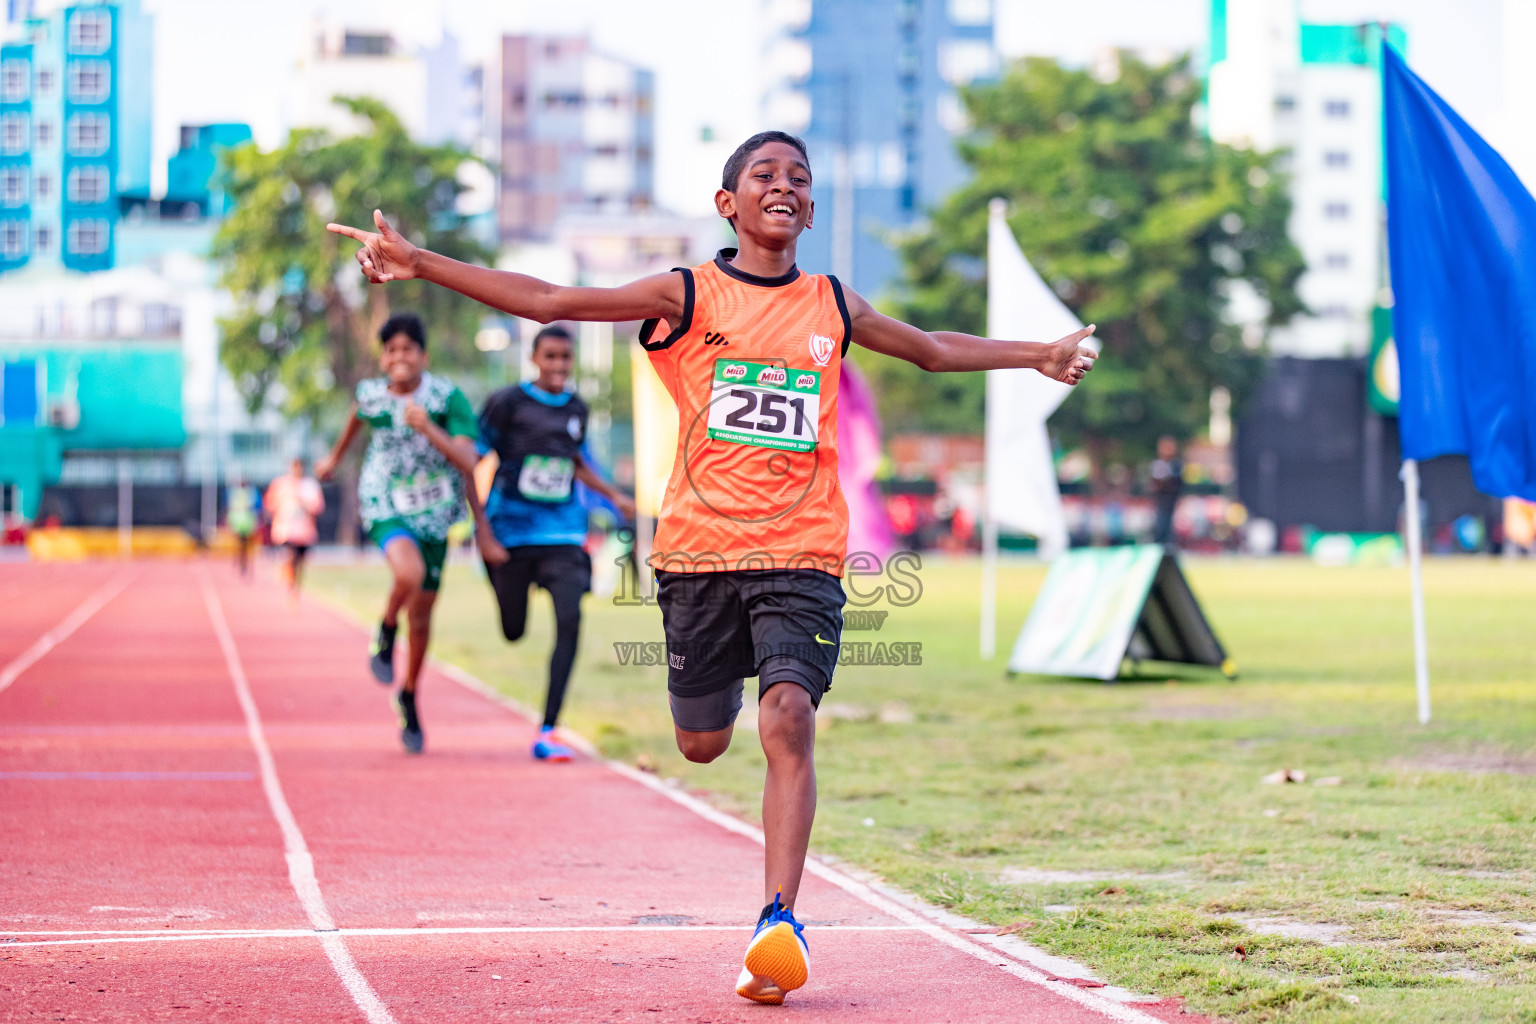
411,490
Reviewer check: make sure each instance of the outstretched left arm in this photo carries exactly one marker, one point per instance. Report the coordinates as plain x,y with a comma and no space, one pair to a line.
1065,359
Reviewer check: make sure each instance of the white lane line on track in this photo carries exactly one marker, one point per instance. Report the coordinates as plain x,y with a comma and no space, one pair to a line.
1023,971
301,866
1016,960
58,634
102,938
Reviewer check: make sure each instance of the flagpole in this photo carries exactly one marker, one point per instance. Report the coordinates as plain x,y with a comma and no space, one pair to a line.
1416,577
988,582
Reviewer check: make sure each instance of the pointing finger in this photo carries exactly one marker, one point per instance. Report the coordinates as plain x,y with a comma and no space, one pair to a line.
353,233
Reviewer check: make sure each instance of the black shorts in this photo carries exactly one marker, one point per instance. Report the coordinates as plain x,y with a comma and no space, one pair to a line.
724,626
549,566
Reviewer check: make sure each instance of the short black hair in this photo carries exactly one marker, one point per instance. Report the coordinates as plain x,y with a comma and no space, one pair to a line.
408,324
552,331
738,161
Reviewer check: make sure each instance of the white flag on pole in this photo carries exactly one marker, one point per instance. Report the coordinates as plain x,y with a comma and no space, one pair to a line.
1022,496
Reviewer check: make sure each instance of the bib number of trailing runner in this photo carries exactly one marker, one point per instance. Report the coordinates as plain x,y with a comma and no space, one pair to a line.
546,477
424,492
765,405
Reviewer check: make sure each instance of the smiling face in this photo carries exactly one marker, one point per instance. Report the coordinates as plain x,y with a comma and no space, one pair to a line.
552,356
403,362
772,201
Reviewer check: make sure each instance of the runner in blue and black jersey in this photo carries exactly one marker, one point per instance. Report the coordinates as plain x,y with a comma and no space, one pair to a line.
537,431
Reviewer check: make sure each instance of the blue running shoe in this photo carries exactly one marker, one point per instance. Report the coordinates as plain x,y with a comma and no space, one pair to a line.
547,749
381,658
410,726
778,961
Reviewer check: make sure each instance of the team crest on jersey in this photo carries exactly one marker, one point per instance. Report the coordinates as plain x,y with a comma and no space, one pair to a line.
822,348
573,427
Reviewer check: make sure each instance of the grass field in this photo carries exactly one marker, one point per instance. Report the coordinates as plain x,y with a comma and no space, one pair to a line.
1126,825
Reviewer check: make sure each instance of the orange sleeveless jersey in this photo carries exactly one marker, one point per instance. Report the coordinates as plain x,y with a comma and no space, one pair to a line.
753,367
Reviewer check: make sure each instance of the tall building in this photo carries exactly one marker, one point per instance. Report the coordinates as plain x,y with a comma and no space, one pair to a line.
1315,92
75,106
424,84
571,131
872,87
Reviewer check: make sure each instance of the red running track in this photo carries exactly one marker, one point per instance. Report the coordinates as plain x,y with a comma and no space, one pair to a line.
205,814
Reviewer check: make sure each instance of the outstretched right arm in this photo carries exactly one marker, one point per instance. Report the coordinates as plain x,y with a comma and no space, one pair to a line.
387,256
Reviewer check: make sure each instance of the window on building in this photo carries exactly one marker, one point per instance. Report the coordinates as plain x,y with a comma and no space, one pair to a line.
90,81
91,184
13,238
963,61
357,44
1336,108
88,236
1285,104
90,30
43,241
42,188
89,134
13,133
1336,211
1336,260
13,186
1336,158
15,80
45,81
970,12
44,132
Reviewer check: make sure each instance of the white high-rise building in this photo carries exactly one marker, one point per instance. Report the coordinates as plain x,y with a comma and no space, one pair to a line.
422,81
1314,91
571,130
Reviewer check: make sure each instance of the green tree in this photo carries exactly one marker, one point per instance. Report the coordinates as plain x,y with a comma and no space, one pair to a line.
302,331
1138,221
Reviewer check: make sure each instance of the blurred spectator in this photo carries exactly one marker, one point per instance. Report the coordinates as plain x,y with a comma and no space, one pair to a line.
1166,483
1519,527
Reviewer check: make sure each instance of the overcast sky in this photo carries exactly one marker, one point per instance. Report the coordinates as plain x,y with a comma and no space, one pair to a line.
218,61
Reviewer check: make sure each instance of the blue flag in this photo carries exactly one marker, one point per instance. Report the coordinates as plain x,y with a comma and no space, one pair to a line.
1461,238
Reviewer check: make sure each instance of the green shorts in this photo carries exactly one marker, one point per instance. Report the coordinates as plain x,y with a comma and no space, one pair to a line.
433,552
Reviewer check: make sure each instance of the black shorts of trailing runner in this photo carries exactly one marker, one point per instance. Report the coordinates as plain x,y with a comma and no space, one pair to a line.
722,626
548,565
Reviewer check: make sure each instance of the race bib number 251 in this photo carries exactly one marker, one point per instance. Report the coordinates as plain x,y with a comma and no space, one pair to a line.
765,405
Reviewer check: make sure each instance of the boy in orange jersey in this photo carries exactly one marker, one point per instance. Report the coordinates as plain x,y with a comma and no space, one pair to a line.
753,529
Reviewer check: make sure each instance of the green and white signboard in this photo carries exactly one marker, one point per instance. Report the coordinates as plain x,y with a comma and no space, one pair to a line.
1102,607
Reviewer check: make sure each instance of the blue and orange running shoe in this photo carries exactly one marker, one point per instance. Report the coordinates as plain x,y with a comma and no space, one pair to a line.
778,961
547,748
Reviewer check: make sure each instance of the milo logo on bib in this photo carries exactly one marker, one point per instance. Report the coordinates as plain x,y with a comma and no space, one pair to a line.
758,404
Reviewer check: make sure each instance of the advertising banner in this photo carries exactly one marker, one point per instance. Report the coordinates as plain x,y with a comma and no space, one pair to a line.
1101,607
